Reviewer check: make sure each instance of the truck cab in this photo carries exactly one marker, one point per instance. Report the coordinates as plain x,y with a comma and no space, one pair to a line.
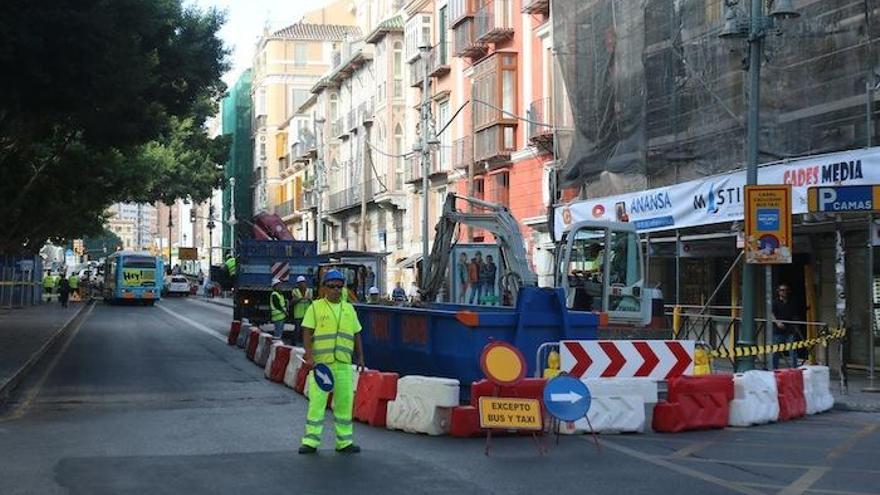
600,267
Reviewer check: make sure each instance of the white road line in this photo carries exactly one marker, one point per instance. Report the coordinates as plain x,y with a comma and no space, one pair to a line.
803,483
198,326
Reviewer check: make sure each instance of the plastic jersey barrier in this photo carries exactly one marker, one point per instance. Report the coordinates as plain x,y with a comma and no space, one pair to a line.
423,405
790,385
279,357
264,347
252,342
293,365
695,403
234,330
445,340
619,405
754,398
817,389
371,397
465,422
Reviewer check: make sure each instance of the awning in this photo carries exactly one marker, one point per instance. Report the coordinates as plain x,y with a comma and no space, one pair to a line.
409,262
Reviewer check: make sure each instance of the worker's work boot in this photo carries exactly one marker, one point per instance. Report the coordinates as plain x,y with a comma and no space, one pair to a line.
351,449
307,449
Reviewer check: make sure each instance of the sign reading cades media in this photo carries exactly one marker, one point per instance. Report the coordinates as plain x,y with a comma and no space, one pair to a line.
720,198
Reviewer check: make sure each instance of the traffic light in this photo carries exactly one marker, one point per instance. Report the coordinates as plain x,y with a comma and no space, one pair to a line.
192,215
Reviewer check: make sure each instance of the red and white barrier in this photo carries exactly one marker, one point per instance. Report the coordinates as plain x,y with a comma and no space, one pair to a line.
264,347
658,359
293,366
279,357
754,399
423,405
817,389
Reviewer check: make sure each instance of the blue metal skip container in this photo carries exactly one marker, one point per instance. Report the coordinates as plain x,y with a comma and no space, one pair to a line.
445,340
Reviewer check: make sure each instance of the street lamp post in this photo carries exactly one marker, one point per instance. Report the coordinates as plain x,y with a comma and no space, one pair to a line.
170,224
754,29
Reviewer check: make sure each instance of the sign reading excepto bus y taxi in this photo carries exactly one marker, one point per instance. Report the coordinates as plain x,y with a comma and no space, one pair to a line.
843,199
510,414
188,253
138,276
768,238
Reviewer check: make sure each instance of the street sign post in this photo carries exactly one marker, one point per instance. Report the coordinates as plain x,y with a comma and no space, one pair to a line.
768,224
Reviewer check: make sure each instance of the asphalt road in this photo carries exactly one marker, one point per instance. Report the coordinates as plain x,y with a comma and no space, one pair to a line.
151,400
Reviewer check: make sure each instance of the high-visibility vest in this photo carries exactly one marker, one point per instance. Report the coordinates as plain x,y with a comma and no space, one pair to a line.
74,282
333,339
278,305
299,309
48,282
230,267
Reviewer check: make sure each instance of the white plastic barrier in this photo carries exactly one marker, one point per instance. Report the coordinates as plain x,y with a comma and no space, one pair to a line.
618,405
817,389
264,347
423,405
755,399
267,370
293,366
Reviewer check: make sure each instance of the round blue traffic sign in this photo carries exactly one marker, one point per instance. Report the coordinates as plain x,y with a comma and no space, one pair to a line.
567,398
323,377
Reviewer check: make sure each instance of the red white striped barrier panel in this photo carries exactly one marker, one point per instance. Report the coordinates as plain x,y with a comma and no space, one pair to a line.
657,359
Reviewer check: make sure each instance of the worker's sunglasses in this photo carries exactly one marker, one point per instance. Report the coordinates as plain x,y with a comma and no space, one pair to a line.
333,286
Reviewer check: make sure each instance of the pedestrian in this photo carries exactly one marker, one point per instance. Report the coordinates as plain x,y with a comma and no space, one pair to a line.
48,284
413,294
487,280
278,308
73,281
475,267
331,335
374,295
63,290
302,299
784,312
398,295
462,272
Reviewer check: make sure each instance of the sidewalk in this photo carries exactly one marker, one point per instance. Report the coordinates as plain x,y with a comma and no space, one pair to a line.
857,399
219,301
26,334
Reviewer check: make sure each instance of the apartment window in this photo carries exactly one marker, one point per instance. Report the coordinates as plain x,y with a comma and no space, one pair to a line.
297,98
261,101
441,27
334,107
495,84
445,138
398,160
398,69
398,229
300,53
502,188
418,33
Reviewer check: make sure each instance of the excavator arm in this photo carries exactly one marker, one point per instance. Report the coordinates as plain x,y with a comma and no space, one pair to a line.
492,217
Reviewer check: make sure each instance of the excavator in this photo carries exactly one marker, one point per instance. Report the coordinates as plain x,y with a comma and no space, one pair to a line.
599,265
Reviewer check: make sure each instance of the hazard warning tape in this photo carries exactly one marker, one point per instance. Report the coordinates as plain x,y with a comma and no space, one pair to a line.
13,284
756,350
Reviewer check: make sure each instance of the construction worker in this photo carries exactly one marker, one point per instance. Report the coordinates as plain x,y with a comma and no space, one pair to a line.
374,295
74,285
302,299
278,308
48,285
331,335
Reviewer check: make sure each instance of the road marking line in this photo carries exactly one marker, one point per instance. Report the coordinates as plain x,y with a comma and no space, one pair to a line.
198,326
812,490
768,464
681,469
803,483
31,394
851,442
690,449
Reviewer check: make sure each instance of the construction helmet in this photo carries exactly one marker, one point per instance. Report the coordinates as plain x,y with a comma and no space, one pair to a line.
333,275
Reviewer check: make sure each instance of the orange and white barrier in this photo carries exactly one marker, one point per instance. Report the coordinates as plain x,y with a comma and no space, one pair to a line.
264,348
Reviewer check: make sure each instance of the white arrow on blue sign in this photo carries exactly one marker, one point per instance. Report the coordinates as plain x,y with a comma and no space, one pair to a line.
567,398
324,377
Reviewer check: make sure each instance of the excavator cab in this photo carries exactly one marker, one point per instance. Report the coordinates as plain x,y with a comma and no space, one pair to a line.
600,267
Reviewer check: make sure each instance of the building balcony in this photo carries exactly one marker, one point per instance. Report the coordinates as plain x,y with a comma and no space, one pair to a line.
464,44
438,60
309,200
337,128
413,171
352,196
541,112
462,153
459,10
494,144
416,73
351,121
392,193
536,7
287,209
494,22
366,111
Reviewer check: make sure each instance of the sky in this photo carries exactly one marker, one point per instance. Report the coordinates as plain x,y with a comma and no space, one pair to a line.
244,25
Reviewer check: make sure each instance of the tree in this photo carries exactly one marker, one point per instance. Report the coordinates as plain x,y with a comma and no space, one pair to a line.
101,245
106,102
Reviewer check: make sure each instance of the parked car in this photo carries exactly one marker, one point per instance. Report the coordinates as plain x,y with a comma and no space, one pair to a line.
176,285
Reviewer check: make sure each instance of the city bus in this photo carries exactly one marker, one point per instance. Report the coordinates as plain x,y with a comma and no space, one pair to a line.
132,276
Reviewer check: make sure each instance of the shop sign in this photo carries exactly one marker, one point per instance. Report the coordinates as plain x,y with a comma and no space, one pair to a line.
843,199
720,198
768,224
